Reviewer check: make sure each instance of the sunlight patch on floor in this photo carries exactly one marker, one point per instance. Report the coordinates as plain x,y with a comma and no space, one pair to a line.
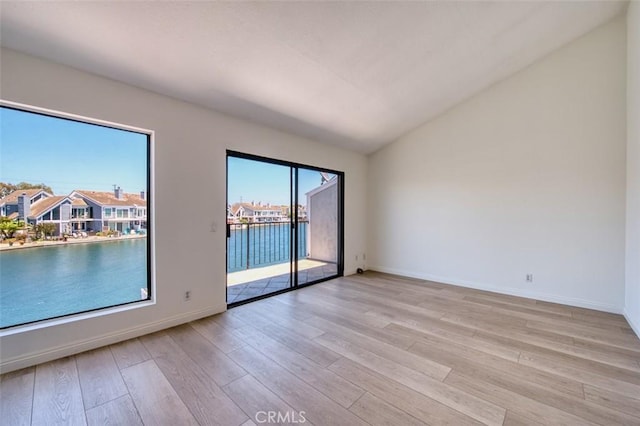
255,274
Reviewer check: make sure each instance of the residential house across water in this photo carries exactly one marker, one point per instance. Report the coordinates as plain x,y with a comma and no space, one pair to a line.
80,211
261,213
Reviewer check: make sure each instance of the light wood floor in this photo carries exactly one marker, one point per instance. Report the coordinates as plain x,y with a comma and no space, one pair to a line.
372,349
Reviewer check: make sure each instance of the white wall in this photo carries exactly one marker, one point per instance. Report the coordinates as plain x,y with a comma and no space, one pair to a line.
632,299
526,177
190,148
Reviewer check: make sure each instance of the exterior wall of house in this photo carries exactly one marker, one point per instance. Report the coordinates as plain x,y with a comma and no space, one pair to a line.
60,216
10,209
322,239
95,222
65,211
24,207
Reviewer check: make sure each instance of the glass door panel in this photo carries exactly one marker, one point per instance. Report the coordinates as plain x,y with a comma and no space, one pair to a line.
258,228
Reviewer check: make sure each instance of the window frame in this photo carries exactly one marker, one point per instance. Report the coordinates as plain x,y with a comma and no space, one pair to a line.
150,222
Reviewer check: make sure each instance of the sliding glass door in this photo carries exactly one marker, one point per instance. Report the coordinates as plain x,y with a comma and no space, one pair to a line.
284,226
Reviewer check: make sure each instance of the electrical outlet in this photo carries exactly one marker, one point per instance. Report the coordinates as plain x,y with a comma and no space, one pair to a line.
364,256
530,278
187,295
356,257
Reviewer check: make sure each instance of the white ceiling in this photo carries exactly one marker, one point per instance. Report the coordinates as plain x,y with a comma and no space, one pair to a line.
354,74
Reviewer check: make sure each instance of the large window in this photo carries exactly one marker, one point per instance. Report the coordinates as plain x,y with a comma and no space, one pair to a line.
59,256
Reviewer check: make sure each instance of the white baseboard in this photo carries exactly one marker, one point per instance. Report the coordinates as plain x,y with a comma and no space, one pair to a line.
571,301
76,347
634,325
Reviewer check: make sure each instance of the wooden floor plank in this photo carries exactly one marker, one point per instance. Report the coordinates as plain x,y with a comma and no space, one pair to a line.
120,411
611,319
155,399
473,407
227,320
316,305
470,361
606,349
204,399
629,404
259,315
225,340
312,350
385,350
333,386
370,325
406,399
544,393
211,360
255,399
318,408
549,344
16,397
276,304
586,332
550,397
377,412
100,378
513,418
362,294
129,352
564,368
526,408
57,398
418,333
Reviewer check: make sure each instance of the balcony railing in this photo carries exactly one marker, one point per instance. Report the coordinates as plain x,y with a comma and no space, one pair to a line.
252,245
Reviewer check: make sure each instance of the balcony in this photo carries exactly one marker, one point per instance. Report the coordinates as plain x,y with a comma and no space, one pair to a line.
259,255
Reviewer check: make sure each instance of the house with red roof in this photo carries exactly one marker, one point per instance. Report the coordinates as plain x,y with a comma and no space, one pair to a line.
112,210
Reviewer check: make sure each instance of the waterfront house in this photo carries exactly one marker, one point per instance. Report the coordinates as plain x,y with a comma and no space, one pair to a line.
80,211
68,214
55,209
110,211
19,200
35,206
286,212
256,213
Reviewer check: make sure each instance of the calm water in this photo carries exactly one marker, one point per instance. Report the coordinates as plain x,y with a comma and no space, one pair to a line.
48,282
263,245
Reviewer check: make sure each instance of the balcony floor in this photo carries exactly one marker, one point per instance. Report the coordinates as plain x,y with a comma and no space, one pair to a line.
243,285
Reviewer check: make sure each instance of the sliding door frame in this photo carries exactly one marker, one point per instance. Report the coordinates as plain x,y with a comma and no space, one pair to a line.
293,236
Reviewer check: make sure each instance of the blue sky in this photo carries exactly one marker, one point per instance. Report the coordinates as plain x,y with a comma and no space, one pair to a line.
269,183
68,155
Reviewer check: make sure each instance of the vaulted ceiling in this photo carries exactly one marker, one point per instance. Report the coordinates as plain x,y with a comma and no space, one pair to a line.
354,74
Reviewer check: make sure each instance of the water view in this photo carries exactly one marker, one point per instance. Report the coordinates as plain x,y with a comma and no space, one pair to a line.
262,244
72,239
48,282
